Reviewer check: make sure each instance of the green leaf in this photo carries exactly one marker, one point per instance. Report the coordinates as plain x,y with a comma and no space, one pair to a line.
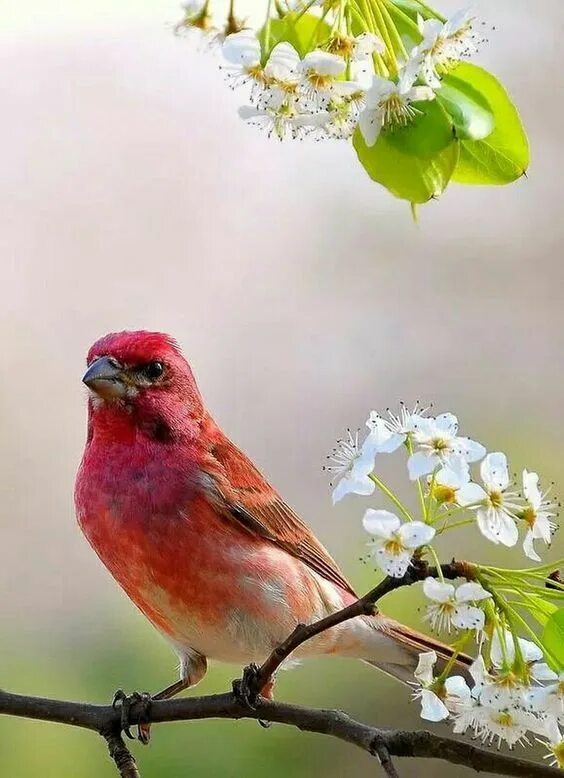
470,111
503,155
553,639
303,33
540,609
416,162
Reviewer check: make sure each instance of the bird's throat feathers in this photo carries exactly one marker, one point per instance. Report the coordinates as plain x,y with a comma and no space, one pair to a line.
143,421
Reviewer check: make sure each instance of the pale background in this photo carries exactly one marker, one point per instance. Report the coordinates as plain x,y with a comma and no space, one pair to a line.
132,196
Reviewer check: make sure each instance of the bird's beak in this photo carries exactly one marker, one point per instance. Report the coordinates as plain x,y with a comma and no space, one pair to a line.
105,378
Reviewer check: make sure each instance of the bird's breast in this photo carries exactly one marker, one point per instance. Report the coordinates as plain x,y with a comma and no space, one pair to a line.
200,579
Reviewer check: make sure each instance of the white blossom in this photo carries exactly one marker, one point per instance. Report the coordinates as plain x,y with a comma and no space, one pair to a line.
495,506
538,514
352,464
438,443
502,649
243,53
451,606
443,45
452,483
391,104
394,542
549,700
438,704
554,742
322,80
406,421
385,439
509,725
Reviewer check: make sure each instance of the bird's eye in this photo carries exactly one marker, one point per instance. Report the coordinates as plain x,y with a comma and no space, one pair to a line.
153,370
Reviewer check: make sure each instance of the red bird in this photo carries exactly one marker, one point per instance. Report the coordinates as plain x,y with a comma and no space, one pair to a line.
195,535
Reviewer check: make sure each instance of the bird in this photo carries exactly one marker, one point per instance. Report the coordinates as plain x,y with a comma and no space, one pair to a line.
196,536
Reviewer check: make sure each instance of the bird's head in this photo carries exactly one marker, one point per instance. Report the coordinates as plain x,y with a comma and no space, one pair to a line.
140,379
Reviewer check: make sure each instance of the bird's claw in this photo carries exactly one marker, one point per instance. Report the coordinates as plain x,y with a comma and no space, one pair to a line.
245,688
125,702
245,691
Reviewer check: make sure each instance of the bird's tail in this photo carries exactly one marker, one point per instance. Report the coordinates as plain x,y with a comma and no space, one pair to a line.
401,665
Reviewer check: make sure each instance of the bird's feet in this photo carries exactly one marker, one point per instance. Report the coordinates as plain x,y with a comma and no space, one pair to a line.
247,693
125,702
245,688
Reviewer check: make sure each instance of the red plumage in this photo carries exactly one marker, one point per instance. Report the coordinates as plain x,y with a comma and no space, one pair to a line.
192,531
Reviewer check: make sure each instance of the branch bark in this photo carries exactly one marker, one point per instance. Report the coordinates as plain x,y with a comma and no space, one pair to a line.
377,742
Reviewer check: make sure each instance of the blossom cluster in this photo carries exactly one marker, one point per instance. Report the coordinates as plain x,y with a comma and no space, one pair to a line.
393,77
439,459
517,685
498,705
346,80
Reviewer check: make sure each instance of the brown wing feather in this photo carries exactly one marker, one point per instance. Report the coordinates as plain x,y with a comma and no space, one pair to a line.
243,495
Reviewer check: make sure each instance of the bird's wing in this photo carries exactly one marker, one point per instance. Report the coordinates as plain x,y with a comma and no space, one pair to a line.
241,493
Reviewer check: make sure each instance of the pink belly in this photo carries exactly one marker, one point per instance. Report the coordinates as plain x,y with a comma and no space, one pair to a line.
205,584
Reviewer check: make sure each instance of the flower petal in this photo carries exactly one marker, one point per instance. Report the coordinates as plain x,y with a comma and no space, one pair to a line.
447,423
283,62
471,592
531,652
415,533
542,672
432,708
531,488
437,590
324,63
469,449
380,523
424,670
468,617
454,475
242,48
349,485
395,565
470,494
458,692
529,547
494,471
370,124
420,464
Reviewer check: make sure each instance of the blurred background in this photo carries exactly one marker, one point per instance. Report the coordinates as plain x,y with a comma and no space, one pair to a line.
132,196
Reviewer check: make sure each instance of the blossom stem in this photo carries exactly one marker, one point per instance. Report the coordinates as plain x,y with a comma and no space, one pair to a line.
532,571
437,562
393,10
431,11
267,26
456,524
428,517
392,29
419,487
456,649
384,32
514,616
391,496
304,10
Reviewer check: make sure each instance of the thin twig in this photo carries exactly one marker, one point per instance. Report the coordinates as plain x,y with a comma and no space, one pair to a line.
364,606
381,751
120,753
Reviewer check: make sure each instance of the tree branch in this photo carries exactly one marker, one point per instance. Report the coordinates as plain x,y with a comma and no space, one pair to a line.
120,753
381,743
364,606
